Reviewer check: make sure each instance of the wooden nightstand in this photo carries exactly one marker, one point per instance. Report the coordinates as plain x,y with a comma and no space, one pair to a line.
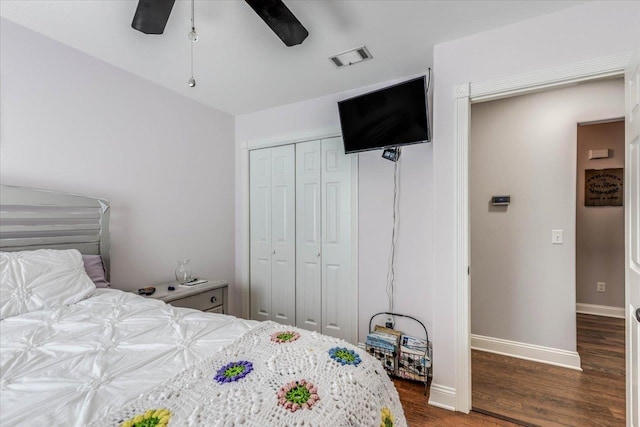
211,296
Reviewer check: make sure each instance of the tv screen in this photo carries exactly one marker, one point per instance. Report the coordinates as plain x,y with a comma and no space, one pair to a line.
389,117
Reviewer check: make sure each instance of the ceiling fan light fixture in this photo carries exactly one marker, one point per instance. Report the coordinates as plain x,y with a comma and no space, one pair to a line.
351,57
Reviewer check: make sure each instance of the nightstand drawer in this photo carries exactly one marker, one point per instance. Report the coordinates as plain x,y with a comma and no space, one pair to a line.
203,301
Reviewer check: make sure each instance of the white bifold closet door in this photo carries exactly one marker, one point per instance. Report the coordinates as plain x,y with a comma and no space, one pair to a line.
323,211
308,236
273,246
260,223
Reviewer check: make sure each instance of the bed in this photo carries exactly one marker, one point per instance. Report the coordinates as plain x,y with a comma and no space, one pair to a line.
75,355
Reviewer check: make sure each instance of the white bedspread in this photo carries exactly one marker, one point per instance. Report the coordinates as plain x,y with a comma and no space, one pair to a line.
72,365
309,380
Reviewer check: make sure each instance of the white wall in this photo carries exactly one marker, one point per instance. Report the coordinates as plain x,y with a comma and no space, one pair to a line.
426,280
414,256
76,124
582,32
523,287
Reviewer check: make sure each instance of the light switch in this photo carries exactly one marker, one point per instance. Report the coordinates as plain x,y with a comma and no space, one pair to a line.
556,237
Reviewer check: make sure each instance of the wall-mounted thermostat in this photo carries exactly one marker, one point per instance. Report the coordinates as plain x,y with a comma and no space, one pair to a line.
500,200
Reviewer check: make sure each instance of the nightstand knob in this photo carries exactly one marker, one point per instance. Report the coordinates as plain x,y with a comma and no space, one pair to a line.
214,299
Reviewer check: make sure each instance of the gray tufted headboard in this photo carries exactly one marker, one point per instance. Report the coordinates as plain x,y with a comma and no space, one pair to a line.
38,219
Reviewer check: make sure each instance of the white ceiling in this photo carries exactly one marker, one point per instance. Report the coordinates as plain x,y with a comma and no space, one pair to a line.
241,66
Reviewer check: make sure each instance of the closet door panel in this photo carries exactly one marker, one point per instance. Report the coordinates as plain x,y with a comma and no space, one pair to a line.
308,237
337,304
283,232
260,222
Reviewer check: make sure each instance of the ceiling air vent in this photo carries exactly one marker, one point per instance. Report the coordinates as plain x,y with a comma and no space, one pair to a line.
351,56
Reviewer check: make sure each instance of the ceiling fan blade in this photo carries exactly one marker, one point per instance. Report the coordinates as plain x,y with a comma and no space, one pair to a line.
280,19
152,15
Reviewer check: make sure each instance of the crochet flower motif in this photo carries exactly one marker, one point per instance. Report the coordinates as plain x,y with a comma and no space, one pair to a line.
298,395
283,337
344,356
233,371
387,418
151,418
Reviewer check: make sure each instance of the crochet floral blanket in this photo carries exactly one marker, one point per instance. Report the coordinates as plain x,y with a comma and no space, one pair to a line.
273,376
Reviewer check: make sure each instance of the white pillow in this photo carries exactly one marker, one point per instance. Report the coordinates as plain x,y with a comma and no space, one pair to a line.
41,279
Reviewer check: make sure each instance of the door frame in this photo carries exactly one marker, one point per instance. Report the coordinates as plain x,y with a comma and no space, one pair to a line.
243,267
474,92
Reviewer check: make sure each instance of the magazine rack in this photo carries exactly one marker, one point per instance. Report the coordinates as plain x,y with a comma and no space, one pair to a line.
403,365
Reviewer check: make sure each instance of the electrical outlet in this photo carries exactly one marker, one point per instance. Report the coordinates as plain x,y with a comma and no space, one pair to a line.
389,323
601,286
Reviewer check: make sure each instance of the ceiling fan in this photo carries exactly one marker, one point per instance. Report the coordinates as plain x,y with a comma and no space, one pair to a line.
152,15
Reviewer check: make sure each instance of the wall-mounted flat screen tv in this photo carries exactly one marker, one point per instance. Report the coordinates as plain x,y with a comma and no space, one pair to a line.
389,117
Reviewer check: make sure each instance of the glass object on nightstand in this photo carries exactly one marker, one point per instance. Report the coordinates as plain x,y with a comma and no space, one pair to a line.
183,271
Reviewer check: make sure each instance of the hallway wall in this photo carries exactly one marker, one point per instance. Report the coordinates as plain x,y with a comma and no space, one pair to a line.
523,286
599,229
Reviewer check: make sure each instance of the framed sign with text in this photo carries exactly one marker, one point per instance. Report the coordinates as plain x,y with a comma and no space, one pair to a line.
603,187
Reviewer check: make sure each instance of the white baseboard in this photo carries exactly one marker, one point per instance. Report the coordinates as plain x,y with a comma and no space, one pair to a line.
600,310
535,353
442,397
439,396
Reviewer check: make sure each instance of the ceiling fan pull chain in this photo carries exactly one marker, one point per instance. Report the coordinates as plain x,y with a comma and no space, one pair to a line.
193,37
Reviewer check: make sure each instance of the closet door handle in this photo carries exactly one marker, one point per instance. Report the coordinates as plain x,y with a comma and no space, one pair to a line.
274,252
638,315
318,255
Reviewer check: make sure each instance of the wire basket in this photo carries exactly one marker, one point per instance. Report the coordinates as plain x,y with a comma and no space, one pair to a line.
414,363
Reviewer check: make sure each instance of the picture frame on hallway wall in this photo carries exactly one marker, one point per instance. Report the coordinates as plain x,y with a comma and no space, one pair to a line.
603,187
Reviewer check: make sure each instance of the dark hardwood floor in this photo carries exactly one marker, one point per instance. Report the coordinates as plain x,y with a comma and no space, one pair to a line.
543,395
419,413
